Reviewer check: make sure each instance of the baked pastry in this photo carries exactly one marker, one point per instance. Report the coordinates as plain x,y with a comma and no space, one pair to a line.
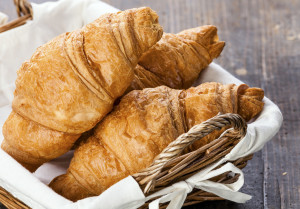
71,83
141,126
177,59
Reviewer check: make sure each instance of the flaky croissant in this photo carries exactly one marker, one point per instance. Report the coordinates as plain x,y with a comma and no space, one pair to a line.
71,83
141,126
177,59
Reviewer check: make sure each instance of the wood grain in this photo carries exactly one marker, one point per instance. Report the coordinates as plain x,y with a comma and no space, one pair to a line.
262,49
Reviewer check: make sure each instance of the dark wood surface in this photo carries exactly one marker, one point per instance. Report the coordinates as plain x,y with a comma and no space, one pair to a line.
262,49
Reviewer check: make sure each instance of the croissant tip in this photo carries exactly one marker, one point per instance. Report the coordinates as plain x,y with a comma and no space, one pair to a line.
244,89
250,101
216,49
209,29
205,30
67,186
206,35
210,32
146,11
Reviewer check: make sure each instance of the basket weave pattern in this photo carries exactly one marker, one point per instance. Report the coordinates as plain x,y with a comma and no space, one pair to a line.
24,11
171,165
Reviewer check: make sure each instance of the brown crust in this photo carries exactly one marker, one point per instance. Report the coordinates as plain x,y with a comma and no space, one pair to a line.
70,83
177,59
140,127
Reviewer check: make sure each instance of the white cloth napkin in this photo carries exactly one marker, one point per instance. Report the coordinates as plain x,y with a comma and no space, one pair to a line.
3,18
53,18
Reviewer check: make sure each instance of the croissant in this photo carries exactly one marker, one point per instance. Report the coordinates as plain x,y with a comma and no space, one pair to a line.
71,83
177,59
141,126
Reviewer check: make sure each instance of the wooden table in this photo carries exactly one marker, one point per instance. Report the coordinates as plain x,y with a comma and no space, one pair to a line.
262,49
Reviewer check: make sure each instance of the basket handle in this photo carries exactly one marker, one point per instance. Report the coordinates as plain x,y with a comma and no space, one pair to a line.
197,132
24,11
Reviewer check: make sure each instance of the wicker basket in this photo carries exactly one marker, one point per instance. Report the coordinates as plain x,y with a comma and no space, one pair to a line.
24,11
171,165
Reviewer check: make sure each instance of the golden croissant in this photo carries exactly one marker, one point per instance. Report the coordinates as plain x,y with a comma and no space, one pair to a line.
141,126
177,59
71,83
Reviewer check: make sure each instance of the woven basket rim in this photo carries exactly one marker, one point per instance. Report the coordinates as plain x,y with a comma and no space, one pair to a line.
155,176
148,177
25,13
